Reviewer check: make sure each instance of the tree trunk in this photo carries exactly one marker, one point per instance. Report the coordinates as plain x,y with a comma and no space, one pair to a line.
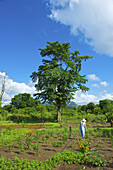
1,96
0,103
111,123
59,113
3,90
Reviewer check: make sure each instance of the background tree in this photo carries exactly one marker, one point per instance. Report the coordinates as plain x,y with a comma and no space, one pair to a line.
97,110
84,108
107,109
58,77
23,100
105,105
90,107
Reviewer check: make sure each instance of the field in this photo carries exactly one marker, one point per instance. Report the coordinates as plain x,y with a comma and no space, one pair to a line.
56,148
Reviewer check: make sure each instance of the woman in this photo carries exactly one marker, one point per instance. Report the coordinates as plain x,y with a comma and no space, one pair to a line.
82,128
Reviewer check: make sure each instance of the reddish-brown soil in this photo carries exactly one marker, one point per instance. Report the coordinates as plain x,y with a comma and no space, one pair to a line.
26,126
47,150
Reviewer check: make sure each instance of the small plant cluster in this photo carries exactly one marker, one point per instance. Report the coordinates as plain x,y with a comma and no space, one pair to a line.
29,142
84,146
29,133
92,156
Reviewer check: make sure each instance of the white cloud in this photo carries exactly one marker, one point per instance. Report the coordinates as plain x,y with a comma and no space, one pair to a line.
93,77
81,98
2,74
107,96
104,83
95,85
84,98
13,88
94,18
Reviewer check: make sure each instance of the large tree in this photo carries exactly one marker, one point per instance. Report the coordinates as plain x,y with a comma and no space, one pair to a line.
58,77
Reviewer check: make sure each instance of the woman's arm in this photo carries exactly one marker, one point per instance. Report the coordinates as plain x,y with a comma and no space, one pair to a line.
85,127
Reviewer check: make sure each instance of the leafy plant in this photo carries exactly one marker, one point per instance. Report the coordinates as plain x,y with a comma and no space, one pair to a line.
84,146
53,143
59,143
36,147
36,136
20,144
23,124
28,141
65,137
96,159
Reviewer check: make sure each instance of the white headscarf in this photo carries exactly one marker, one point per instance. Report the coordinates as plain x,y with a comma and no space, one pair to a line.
83,120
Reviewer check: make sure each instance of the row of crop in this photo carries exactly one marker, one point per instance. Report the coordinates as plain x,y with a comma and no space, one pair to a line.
31,139
66,156
9,135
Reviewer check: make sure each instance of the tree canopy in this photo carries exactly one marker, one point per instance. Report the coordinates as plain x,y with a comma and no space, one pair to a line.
23,100
59,75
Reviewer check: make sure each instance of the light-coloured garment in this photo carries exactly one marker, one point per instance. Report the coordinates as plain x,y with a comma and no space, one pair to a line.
82,129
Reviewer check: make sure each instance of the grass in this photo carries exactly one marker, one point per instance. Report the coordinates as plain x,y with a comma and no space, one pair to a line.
7,123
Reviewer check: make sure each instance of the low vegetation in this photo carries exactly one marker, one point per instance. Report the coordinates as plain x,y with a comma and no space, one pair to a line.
28,142
55,144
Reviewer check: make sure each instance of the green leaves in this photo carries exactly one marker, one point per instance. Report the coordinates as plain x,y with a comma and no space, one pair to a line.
58,76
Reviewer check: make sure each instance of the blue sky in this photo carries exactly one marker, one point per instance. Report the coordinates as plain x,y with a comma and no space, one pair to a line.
26,25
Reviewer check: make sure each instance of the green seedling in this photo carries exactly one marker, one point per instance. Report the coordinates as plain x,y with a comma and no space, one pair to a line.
10,147
53,143
28,141
65,137
36,147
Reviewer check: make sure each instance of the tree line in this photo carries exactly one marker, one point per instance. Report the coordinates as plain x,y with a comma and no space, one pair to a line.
26,108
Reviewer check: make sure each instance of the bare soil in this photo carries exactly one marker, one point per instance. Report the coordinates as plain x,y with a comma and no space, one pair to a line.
47,150
26,126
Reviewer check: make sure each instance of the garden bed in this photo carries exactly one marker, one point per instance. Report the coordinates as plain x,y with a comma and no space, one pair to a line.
53,141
